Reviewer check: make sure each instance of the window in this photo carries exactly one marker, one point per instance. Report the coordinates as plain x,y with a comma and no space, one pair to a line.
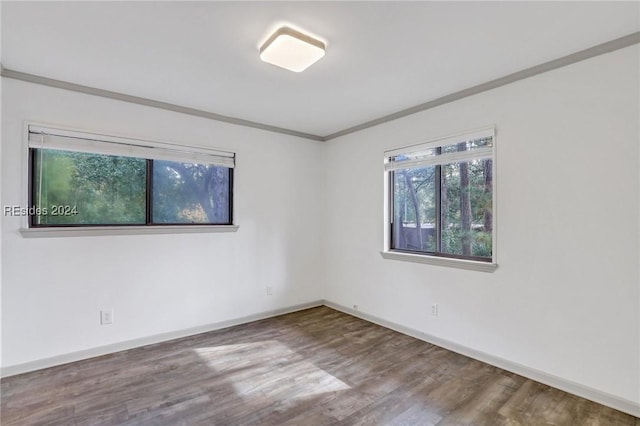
84,180
441,196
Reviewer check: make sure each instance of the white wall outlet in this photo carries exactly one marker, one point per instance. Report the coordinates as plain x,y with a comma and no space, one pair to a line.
355,307
106,317
434,309
269,290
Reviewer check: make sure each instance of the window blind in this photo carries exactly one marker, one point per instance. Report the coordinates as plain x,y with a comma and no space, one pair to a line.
479,145
67,140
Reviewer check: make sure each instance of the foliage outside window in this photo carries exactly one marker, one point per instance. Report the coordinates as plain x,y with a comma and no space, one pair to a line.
441,198
77,181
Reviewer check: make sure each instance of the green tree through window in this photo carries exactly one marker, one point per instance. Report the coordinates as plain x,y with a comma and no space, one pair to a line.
442,200
190,193
84,189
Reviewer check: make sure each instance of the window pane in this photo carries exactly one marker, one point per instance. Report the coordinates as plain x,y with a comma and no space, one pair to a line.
74,188
414,209
466,200
190,193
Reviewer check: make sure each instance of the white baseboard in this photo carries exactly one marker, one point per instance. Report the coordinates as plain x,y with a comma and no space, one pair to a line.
39,364
578,389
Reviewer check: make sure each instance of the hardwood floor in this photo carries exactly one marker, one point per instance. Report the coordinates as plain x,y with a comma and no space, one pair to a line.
314,367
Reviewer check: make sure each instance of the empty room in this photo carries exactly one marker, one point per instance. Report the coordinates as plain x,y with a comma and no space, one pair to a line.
320,213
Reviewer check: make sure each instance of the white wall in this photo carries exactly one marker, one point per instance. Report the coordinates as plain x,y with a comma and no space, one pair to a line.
53,288
565,298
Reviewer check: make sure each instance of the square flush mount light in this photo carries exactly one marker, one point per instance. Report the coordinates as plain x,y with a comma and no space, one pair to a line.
292,50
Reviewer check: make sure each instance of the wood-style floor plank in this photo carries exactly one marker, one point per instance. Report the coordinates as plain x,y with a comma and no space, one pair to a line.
313,367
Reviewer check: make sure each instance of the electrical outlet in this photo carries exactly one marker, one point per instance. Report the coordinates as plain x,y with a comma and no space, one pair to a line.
355,307
269,290
434,310
106,317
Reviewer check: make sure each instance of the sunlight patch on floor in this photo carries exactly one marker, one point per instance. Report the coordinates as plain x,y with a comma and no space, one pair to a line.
269,368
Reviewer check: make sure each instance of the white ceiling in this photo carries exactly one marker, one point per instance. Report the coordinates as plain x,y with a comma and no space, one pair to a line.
381,57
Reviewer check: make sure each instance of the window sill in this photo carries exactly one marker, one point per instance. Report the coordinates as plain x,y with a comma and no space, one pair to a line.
94,231
441,261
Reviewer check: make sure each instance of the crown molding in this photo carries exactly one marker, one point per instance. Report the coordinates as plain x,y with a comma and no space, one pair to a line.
593,51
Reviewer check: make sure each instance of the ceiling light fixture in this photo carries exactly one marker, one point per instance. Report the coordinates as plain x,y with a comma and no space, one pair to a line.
292,50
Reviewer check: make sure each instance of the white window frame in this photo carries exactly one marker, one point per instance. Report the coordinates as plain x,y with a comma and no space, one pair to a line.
91,142
387,252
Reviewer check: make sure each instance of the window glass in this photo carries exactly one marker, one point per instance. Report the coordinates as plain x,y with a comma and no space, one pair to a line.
75,188
190,193
466,208
415,209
